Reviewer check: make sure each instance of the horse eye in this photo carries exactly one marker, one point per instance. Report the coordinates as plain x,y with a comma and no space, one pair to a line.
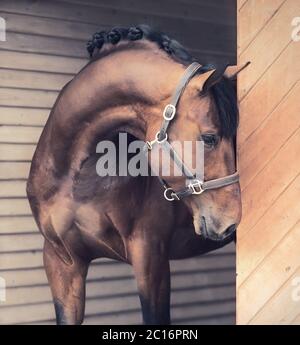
210,140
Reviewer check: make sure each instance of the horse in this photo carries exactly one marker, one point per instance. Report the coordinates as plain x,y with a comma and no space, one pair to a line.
124,88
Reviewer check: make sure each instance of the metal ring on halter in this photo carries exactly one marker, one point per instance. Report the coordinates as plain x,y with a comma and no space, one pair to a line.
161,141
173,111
196,187
173,196
156,140
149,144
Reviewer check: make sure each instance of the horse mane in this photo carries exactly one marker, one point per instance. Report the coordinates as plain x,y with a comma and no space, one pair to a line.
223,92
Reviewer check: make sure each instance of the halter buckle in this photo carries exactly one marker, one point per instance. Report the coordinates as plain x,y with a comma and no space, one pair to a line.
171,196
196,187
149,144
162,140
169,112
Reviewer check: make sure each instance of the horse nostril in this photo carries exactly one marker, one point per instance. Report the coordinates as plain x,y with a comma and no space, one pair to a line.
231,229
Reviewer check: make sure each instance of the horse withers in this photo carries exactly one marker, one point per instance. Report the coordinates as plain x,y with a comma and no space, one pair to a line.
131,77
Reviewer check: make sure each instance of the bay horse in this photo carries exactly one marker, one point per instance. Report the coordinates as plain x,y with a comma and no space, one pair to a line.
129,80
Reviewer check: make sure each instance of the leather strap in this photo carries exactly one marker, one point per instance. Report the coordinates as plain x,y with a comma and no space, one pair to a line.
170,109
207,185
221,182
177,160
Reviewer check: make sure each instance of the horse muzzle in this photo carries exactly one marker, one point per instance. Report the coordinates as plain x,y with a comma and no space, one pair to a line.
228,234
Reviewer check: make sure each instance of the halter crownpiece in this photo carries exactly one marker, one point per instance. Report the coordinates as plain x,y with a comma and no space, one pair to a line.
194,185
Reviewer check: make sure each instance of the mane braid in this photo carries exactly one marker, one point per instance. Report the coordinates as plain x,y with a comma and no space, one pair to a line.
223,93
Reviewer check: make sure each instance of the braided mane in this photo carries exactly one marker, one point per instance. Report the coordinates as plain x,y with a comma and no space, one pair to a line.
118,34
223,93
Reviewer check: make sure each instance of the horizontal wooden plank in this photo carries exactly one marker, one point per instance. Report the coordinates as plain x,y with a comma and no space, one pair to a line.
114,305
49,26
54,10
33,260
273,180
200,10
16,170
17,279
108,290
106,273
178,311
275,126
33,80
19,134
110,17
203,294
34,241
19,225
12,243
196,279
212,320
23,116
280,27
31,43
64,63
12,189
204,262
16,152
133,318
40,62
127,311
195,310
83,31
27,98
118,305
29,313
271,274
284,214
45,45
252,18
27,260
14,207
263,98
17,298
17,242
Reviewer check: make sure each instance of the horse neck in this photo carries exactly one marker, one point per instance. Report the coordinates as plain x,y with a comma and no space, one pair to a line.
100,100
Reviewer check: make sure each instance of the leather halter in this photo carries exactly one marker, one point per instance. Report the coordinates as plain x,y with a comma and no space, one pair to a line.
194,185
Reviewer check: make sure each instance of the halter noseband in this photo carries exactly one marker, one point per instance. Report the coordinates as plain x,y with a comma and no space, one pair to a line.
194,185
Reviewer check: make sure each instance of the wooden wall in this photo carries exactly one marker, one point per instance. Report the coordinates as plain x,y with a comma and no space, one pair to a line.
45,47
269,144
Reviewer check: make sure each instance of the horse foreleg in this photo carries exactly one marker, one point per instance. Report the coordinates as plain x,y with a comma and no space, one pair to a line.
152,271
67,284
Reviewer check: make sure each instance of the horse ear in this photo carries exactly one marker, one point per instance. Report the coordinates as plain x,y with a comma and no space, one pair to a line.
214,77
200,79
231,71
